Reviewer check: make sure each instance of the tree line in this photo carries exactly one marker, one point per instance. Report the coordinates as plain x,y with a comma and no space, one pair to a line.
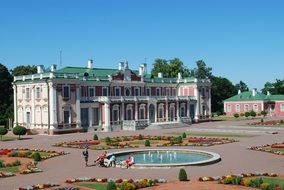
221,89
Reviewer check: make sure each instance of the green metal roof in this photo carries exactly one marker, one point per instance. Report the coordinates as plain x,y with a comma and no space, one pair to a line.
246,96
276,97
96,72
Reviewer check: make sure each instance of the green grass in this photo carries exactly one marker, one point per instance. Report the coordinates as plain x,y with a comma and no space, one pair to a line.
43,153
275,181
13,169
213,134
8,138
276,149
142,142
97,186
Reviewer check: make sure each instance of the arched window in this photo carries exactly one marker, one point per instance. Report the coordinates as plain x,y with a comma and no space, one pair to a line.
182,109
129,112
142,111
115,113
127,92
161,111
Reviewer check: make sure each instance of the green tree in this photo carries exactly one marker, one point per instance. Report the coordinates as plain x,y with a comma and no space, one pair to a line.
169,68
147,143
274,88
160,66
36,156
182,176
242,86
176,66
202,71
95,137
221,89
24,70
3,131
6,95
19,130
111,185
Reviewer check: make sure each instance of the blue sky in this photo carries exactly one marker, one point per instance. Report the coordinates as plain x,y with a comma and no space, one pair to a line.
239,39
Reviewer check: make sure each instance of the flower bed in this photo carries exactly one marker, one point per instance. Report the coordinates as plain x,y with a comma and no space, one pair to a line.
6,174
138,141
27,153
39,186
31,168
267,123
276,148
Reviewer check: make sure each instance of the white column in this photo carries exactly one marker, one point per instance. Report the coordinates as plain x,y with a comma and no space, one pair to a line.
100,114
187,109
90,116
107,117
53,106
122,112
209,103
167,110
196,93
156,113
32,88
177,108
15,105
78,107
136,111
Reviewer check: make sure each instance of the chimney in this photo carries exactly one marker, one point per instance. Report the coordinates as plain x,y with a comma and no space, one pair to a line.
141,70
253,91
53,68
160,75
120,66
239,91
40,69
179,75
90,64
268,93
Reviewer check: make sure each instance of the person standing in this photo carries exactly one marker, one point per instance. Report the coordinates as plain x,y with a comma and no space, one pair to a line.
86,155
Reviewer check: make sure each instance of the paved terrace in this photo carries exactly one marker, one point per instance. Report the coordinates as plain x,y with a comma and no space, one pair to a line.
235,156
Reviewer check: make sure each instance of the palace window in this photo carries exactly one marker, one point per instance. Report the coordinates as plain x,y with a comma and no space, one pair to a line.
282,107
158,91
129,112
174,92
28,93
237,107
137,91
142,111
105,91
168,91
117,91
229,108
38,92
67,117
255,107
91,92
127,92
66,92
148,92
246,108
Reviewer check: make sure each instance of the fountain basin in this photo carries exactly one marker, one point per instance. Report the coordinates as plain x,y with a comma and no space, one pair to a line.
168,157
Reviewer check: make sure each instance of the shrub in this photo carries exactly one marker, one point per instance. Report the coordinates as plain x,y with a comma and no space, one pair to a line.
182,176
16,163
111,185
252,113
184,135
247,182
19,130
140,137
236,115
27,154
242,114
2,164
37,156
3,131
264,113
229,180
281,121
147,143
247,114
108,140
261,120
95,137
265,186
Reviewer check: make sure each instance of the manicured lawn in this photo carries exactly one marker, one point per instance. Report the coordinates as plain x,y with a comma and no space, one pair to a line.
8,138
214,134
43,153
97,186
275,181
13,169
276,149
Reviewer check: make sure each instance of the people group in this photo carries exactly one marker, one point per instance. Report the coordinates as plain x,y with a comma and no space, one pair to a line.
103,161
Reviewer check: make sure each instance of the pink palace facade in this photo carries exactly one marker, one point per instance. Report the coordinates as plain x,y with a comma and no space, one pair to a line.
81,98
256,101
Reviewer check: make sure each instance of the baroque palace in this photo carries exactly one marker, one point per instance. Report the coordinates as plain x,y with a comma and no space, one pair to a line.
80,98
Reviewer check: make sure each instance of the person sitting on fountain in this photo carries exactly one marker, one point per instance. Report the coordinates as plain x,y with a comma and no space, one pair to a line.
112,161
130,161
101,159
